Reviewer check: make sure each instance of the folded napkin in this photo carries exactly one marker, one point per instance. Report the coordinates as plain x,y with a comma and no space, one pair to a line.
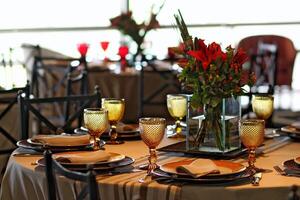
199,167
62,140
83,157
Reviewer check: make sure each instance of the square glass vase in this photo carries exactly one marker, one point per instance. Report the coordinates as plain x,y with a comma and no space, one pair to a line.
215,129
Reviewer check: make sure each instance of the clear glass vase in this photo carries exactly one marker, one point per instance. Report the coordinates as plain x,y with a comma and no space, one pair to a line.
214,129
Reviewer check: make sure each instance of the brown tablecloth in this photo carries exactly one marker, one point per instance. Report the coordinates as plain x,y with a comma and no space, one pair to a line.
23,180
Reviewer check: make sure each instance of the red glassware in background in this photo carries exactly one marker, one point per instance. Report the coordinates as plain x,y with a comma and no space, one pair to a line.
83,48
123,51
104,45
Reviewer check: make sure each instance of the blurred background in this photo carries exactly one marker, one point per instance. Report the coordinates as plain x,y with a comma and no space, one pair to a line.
60,25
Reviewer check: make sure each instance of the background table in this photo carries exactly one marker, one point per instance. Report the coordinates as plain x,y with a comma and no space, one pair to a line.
23,180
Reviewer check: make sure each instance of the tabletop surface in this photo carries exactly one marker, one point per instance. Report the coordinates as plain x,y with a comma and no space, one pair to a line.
21,174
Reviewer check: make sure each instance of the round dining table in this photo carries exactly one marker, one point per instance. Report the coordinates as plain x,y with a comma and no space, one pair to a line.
23,179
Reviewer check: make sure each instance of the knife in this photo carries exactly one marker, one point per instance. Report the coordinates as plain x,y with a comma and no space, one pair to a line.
256,179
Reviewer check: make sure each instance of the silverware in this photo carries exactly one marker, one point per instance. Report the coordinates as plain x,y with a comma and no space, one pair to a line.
286,172
256,179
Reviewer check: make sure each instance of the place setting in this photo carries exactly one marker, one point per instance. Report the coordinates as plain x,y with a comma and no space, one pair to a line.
290,167
193,170
117,132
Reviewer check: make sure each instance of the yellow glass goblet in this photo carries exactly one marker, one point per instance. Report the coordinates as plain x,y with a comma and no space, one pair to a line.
96,121
177,107
115,108
152,132
252,135
262,105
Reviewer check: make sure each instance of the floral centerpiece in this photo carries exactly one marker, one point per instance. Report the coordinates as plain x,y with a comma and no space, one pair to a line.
212,75
137,32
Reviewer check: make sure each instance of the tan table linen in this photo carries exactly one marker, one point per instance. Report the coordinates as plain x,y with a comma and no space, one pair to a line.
25,181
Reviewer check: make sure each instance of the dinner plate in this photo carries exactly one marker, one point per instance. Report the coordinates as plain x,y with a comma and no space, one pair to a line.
297,160
126,161
292,165
242,176
225,167
123,134
128,129
113,157
25,144
290,129
36,141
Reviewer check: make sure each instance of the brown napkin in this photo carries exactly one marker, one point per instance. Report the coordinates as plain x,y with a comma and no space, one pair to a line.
199,167
62,140
84,157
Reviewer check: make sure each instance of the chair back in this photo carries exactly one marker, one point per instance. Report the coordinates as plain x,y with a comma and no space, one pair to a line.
9,98
155,83
54,168
273,51
63,123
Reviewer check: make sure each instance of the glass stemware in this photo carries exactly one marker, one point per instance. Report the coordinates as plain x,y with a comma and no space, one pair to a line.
152,132
262,105
177,107
115,108
252,135
104,45
96,121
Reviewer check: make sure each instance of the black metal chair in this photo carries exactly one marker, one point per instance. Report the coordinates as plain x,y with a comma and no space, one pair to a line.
53,167
76,104
9,98
49,74
157,95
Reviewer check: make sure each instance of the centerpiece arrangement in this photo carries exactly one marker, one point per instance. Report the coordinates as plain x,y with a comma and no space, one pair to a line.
126,24
216,81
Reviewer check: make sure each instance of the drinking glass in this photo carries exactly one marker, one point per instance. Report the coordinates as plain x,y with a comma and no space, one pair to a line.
262,105
96,121
177,107
104,45
252,135
152,132
115,108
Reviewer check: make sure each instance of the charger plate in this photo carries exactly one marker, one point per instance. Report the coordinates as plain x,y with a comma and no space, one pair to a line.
292,165
25,144
232,178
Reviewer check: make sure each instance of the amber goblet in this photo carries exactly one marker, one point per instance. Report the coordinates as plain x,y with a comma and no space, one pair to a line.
152,132
252,135
96,121
115,108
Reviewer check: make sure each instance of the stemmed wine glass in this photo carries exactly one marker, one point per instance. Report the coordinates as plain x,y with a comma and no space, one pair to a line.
104,45
115,108
177,107
96,121
252,135
262,105
152,132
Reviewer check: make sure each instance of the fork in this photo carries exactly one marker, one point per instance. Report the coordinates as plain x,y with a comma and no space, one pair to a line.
285,172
